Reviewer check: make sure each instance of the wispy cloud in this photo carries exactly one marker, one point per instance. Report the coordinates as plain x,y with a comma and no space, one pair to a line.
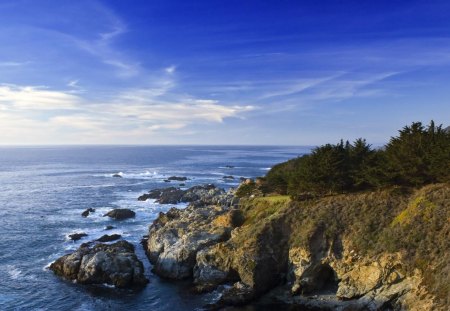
13,64
36,98
137,112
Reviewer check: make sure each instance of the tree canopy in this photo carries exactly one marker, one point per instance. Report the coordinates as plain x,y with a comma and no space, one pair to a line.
419,155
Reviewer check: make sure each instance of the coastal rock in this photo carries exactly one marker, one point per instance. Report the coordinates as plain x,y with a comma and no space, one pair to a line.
170,195
300,251
109,238
120,213
109,227
77,236
87,212
228,177
199,195
177,178
114,264
177,236
117,176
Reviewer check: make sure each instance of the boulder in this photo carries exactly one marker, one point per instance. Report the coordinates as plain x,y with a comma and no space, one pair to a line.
177,236
109,227
109,238
117,176
114,264
228,177
87,212
77,236
120,213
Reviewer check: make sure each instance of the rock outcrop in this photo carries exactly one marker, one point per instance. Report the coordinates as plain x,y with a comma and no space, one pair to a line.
114,264
120,214
201,195
177,236
317,254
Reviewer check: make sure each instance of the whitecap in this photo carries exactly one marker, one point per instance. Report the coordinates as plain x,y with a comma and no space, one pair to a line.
14,272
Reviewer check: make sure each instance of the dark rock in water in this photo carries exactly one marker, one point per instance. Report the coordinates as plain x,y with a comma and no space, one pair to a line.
115,264
88,211
229,166
109,227
170,195
239,294
120,213
182,185
109,238
228,177
242,179
166,180
177,178
77,236
153,194
117,175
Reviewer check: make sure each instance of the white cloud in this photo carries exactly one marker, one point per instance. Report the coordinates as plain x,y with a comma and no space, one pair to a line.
37,112
36,98
170,69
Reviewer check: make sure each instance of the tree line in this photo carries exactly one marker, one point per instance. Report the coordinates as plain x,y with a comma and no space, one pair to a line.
418,155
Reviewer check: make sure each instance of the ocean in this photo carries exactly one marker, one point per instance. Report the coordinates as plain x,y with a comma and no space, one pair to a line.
44,190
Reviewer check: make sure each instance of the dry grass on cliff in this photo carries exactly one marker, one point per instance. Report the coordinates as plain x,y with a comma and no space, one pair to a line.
413,222
261,209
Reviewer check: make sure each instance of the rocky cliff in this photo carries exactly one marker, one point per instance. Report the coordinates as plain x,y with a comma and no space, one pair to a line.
382,250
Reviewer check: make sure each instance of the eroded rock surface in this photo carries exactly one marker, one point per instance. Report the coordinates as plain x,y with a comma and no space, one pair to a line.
268,245
114,264
201,195
177,236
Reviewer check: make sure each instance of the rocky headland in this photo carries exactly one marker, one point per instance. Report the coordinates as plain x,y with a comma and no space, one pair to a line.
343,252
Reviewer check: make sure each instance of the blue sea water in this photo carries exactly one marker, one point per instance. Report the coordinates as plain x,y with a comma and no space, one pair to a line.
43,191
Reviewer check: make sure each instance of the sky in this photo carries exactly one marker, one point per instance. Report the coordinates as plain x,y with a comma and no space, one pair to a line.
220,72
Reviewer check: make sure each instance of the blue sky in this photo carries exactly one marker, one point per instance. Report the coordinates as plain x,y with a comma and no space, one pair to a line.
220,72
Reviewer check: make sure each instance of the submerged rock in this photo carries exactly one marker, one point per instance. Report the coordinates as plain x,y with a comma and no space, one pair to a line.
109,227
120,213
117,176
114,264
177,178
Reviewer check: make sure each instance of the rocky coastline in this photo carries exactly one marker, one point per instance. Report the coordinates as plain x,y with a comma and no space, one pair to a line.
252,248
262,248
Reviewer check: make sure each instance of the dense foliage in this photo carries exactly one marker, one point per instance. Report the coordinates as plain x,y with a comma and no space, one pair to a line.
419,155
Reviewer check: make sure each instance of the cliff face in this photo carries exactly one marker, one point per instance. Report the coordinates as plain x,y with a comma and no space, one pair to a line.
368,251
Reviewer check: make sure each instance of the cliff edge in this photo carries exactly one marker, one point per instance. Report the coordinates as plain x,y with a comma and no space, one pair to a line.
375,250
